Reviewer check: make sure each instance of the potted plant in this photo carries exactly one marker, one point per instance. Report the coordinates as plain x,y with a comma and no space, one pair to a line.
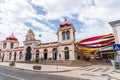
112,55
12,63
37,67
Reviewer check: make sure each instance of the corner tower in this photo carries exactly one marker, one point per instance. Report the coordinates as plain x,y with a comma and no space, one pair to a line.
10,43
66,39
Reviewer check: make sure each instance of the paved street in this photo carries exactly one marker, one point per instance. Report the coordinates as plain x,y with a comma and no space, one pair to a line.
7,73
24,71
94,72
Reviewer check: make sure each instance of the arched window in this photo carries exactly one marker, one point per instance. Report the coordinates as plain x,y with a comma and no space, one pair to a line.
45,54
10,54
0,55
63,35
15,54
37,53
54,53
66,52
4,45
20,55
45,50
68,35
11,45
3,57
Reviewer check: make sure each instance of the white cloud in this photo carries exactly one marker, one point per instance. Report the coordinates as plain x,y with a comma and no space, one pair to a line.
46,36
39,25
95,14
59,8
13,14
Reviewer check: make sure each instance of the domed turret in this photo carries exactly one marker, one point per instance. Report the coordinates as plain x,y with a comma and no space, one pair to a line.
65,23
12,37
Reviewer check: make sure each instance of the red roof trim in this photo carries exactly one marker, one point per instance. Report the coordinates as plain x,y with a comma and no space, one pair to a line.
67,31
45,50
4,43
65,23
63,31
12,37
37,50
53,49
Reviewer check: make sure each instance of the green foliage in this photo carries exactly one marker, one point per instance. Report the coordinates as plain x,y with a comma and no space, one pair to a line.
112,55
37,60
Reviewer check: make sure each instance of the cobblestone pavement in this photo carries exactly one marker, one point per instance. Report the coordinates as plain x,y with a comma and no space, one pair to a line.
91,73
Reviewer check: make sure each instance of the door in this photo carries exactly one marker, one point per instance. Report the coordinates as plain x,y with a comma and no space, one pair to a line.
28,54
55,54
15,56
66,53
45,56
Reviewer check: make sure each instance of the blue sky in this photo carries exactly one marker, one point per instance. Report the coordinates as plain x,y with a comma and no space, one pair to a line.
89,17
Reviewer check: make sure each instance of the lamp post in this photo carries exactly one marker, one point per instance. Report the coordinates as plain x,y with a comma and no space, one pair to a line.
58,55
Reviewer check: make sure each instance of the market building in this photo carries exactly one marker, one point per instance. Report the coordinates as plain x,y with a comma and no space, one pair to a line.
63,49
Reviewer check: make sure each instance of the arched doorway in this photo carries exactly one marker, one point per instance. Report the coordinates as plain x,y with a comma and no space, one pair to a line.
20,55
54,53
3,57
66,53
45,54
15,56
10,55
28,54
37,53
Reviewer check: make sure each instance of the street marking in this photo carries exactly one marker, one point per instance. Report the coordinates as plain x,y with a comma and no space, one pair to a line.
89,69
105,70
97,69
91,75
12,76
82,69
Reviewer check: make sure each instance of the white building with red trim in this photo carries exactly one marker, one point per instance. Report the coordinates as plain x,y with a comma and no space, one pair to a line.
62,49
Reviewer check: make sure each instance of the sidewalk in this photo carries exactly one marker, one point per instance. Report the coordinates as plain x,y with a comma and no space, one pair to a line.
94,72
44,68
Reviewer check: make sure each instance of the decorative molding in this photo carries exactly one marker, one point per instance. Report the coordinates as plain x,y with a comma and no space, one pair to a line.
66,44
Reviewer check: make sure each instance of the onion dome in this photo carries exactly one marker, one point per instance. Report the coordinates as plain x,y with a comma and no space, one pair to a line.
65,23
12,37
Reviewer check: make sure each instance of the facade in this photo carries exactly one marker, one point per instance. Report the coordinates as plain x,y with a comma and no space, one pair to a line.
62,49
116,31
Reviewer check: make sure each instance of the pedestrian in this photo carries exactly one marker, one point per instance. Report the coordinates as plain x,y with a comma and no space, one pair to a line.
107,60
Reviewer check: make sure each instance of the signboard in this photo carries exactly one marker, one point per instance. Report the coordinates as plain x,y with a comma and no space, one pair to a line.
116,47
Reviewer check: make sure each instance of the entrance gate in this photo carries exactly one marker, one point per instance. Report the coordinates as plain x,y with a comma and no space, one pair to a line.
28,54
